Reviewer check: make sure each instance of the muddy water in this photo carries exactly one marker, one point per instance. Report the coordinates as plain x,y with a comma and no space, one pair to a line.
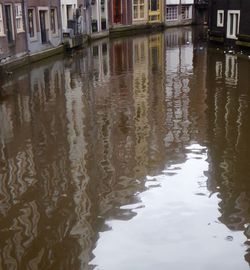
131,154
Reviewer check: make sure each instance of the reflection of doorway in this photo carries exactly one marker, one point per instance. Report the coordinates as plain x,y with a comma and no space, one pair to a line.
117,16
42,15
9,24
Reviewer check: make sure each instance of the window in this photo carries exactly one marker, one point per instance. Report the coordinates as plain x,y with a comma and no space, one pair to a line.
31,22
53,20
220,18
233,22
139,9
154,5
1,20
186,12
19,18
172,13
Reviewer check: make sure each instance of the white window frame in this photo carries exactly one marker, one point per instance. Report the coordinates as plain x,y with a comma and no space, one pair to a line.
34,38
138,5
1,21
220,15
187,14
19,18
235,27
171,16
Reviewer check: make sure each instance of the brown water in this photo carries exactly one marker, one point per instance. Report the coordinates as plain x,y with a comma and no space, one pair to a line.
132,154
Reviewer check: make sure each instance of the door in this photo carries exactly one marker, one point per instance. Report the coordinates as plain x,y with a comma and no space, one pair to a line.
117,11
42,15
9,24
154,11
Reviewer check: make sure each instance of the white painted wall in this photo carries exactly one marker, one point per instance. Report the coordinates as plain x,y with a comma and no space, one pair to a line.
64,4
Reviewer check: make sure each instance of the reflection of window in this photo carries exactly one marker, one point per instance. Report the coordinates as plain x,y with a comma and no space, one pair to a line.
138,9
19,18
53,19
218,69
172,13
233,22
231,69
1,20
31,21
220,18
186,12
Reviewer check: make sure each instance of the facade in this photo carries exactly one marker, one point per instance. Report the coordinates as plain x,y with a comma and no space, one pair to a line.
140,12
120,13
179,12
155,11
229,22
99,17
13,41
201,12
68,12
147,12
43,24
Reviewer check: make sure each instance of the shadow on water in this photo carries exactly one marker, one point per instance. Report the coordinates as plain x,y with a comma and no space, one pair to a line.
79,136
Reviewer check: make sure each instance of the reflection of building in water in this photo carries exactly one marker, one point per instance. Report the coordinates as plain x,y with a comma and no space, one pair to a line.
33,177
179,69
148,92
141,103
100,61
228,144
76,128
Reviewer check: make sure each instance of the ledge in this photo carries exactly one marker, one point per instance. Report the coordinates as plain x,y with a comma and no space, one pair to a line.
243,43
216,39
14,63
245,38
134,28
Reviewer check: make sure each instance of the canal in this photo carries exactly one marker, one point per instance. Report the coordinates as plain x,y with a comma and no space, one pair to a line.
131,154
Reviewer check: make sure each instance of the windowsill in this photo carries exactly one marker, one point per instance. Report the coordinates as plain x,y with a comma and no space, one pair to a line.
2,35
171,20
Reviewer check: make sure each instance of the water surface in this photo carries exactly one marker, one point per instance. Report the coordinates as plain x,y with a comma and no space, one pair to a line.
130,154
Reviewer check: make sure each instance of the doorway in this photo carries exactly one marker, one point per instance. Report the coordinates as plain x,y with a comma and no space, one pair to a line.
42,15
117,16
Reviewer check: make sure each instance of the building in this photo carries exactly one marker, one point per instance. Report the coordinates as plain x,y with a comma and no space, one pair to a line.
179,12
13,42
29,31
201,12
68,12
43,23
155,11
120,13
229,22
99,18
140,12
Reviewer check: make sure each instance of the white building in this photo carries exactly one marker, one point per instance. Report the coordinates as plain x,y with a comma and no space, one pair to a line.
68,11
179,12
99,16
